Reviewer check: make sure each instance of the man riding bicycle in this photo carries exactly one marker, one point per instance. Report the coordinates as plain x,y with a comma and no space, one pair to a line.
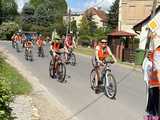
103,53
55,49
40,43
68,44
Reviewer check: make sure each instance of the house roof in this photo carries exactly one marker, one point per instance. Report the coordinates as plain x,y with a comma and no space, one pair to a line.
121,34
138,26
100,13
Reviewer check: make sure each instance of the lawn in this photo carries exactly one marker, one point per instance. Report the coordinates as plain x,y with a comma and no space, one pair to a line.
19,85
85,51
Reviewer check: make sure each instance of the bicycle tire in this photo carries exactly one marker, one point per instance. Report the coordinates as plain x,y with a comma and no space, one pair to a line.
61,74
72,59
31,55
107,89
92,79
51,71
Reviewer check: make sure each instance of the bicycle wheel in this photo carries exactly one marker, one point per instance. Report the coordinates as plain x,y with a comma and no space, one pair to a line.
51,69
42,52
61,72
110,86
92,79
31,55
72,59
26,54
13,44
17,47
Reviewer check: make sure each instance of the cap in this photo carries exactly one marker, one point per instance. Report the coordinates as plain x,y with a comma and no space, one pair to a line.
104,41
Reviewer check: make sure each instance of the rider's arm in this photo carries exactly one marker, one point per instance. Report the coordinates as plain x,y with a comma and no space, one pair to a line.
110,53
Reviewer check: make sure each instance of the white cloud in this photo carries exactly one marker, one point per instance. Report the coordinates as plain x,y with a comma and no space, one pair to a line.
105,4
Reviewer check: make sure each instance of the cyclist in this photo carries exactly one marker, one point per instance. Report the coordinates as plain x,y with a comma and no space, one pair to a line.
55,47
103,53
18,37
28,44
40,42
13,40
68,44
55,50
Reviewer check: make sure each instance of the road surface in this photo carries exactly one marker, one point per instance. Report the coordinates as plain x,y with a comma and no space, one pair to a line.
77,96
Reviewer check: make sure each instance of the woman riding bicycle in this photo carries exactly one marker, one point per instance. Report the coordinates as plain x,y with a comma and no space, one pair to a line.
103,52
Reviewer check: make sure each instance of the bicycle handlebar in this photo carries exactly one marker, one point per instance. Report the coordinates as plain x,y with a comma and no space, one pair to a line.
109,62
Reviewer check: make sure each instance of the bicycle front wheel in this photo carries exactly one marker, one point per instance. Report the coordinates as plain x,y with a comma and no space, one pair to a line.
72,59
110,86
61,72
93,79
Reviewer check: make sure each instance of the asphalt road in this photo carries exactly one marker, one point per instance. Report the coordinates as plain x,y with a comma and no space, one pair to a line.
77,96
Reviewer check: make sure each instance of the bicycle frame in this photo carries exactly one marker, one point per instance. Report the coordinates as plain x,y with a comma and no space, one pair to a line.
105,72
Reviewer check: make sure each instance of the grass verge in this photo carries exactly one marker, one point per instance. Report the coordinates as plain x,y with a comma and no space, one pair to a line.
19,85
85,51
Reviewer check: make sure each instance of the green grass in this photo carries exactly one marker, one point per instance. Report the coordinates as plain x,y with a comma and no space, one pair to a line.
85,51
16,81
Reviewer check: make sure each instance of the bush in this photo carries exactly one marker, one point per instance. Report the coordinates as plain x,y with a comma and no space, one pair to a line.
84,41
6,97
7,29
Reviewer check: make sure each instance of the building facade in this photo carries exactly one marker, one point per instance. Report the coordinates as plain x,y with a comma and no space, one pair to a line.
132,12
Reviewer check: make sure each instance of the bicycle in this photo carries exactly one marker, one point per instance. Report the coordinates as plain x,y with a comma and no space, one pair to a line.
57,68
28,54
40,52
18,46
71,57
108,80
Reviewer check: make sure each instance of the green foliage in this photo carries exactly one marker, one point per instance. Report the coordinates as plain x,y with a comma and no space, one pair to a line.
84,26
8,10
7,29
113,15
74,27
6,97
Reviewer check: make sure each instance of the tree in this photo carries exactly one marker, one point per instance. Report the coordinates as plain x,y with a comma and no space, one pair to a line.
48,13
74,27
113,15
0,12
84,26
27,17
8,10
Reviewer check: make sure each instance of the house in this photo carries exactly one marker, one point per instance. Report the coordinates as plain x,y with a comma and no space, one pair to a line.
74,16
99,16
141,28
133,11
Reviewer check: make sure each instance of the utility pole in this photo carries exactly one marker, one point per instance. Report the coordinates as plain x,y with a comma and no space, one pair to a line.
69,20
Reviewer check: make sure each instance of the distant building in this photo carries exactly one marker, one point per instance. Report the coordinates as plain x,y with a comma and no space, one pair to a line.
99,16
133,11
74,16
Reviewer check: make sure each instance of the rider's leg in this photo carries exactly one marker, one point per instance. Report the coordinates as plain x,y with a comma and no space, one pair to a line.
97,79
66,53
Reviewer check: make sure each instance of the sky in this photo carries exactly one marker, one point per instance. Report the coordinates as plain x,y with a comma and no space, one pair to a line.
77,5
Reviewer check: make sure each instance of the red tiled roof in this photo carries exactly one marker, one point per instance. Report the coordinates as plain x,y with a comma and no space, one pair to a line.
121,33
93,11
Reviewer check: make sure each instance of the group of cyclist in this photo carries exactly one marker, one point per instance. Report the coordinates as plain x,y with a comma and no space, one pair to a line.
56,45
102,50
